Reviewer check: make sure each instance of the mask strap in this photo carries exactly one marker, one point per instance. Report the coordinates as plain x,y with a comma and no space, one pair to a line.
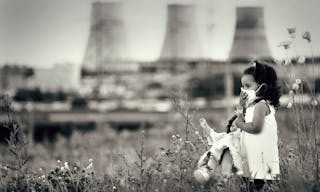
262,85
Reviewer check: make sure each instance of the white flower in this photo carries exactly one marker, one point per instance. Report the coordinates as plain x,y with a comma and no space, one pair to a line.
75,168
165,180
43,176
66,166
295,86
302,59
90,160
285,44
307,36
173,136
289,106
298,81
291,30
180,140
314,102
196,132
62,168
58,161
279,61
287,61
114,187
90,166
291,92
40,169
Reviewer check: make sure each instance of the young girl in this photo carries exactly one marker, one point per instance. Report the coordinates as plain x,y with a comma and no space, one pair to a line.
258,138
254,140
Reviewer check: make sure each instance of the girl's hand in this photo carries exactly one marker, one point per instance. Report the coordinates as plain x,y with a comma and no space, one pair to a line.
233,128
239,121
243,99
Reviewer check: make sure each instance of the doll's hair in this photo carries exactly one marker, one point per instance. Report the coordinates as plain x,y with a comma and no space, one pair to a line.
265,74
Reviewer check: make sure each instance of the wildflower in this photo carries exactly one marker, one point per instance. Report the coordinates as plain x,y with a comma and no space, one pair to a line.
59,161
62,168
90,160
302,59
307,36
66,166
291,93
295,86
285,44
292,32
90,166
173,136
180,140
114,187
163,153
287,61
314,102
278,62
298,81
196,132
59,178
157,190
43,176
165,180
75,168
40,169
289,106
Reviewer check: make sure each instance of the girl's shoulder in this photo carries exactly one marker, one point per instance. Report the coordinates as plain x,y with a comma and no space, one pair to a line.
263,105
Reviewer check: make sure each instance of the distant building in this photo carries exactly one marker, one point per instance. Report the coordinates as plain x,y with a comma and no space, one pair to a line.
13,77
182,40
107,46
65,76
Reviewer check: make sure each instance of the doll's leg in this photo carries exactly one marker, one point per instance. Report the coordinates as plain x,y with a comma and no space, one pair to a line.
226,163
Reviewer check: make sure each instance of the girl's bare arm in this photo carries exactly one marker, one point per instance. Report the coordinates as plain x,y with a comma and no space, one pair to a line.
254,127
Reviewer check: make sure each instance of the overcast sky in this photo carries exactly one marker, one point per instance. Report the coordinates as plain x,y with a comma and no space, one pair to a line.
44,32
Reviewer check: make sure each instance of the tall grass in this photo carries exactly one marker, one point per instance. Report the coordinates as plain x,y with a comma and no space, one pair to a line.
306,158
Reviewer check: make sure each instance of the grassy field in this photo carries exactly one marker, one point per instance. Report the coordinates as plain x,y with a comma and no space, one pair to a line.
157,159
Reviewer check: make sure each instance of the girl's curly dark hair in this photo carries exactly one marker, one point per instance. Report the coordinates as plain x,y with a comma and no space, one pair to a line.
265,74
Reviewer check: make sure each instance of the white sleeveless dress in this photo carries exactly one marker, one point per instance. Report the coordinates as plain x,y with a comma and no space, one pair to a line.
260,151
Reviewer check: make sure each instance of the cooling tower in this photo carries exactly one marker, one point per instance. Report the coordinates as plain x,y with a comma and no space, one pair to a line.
181,38
107,40
250,38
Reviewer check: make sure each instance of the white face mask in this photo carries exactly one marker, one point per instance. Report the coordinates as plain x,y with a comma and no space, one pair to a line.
252,93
